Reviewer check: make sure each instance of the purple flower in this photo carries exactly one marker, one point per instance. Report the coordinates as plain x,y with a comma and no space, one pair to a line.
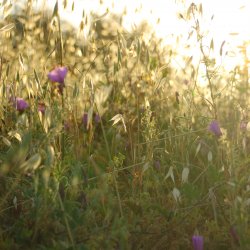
197,242
97,119
20,104
58,75
215,128
85,119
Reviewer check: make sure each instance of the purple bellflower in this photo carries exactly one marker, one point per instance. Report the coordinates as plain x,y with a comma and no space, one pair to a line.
97,119
214,127
58,75
197,242
85,119
20,104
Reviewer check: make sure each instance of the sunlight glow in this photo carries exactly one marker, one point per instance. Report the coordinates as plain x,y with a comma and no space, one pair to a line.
229,24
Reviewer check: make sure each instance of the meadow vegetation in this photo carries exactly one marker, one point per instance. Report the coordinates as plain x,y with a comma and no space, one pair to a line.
105,144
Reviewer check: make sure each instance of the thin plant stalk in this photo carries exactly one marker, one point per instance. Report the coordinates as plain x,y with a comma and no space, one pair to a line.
66,222
110,160
205,60
63,104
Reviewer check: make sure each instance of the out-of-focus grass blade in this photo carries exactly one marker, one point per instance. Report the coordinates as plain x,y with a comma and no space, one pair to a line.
7,70
101,17
6,141
47,120
90,117
221,47
7,27
21,61
76,91
38,81
65,3
6,10
55,11
50,156
16,135
17,154
36,77
4,2
32,163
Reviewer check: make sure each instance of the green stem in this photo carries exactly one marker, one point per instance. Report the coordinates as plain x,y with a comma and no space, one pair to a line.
61,62
205,60
63,130
209,81
111,162
66,222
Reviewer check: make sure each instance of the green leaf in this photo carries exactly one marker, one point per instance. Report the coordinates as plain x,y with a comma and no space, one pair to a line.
213,174
50,156
190,191
18,153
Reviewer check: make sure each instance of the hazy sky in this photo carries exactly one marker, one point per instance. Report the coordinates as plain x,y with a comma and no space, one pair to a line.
230,16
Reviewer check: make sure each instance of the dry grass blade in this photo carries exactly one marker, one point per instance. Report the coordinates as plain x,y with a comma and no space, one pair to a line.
7,27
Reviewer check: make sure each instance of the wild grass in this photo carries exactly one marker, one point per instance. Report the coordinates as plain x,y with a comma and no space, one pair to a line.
123,158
